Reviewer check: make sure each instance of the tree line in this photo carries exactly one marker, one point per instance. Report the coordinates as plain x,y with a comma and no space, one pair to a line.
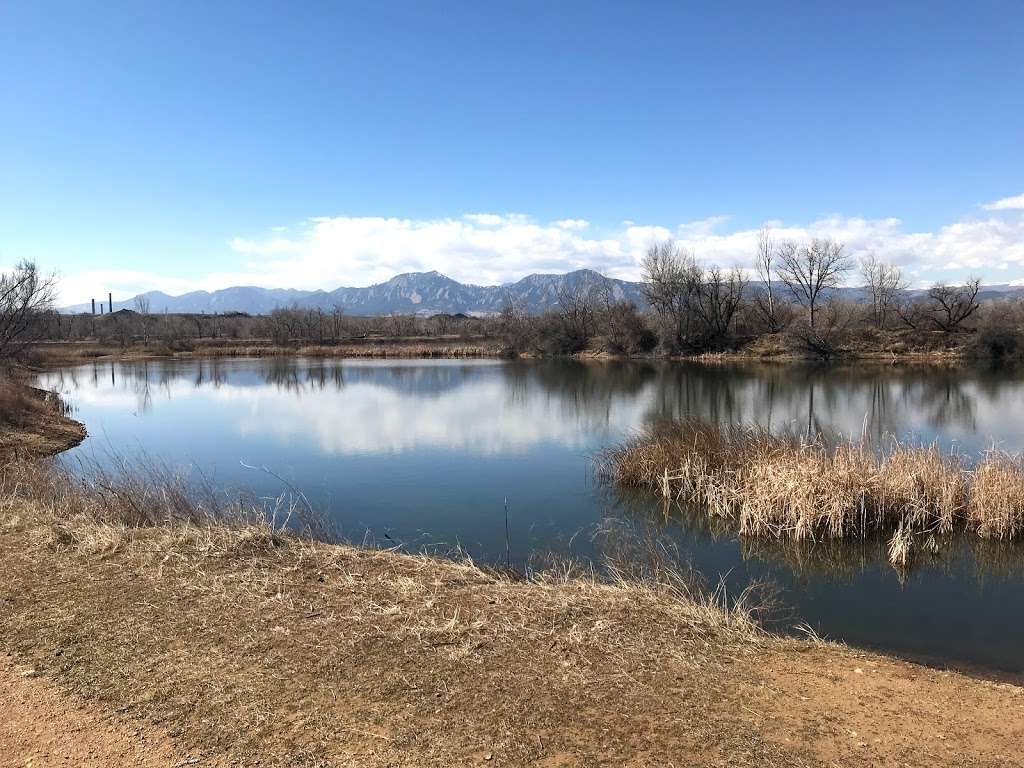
792,294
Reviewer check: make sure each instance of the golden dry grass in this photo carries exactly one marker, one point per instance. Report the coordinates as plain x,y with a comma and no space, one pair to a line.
33,423
18,403
789,487
57,353
996,507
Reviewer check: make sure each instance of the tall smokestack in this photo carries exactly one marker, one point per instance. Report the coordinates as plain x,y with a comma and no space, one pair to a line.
94,306
110,302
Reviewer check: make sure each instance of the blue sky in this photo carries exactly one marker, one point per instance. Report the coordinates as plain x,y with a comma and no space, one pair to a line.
181,145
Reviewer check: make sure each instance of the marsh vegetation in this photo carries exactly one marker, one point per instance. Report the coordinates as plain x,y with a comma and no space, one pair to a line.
813,488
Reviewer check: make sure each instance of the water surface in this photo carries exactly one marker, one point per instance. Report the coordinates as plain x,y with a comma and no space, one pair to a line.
428,454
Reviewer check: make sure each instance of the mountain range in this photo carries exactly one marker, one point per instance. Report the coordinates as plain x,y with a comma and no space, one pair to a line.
424,293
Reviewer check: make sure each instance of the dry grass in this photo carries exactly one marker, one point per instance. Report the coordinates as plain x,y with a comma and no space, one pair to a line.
996,507
56,353
789,487
33,423
18,404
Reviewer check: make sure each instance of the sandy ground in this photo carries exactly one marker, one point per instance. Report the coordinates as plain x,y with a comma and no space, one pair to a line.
44,727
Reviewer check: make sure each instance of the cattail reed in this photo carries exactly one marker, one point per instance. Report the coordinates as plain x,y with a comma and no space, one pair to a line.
815,489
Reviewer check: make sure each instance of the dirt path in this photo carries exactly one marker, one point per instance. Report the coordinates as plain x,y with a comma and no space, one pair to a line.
854,708
42,727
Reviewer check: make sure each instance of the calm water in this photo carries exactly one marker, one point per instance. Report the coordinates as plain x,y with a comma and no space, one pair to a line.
425,453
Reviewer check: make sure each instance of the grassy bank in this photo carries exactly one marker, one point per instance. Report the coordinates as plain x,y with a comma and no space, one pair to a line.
61,353
790,487
879,346
33,423
244,643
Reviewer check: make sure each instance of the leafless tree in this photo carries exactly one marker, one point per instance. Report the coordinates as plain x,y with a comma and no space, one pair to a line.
401,325
145,319
884,283
25,294
765,264
911,311
337,321
950,305
515,326
668,286
717,298
577,310
812,271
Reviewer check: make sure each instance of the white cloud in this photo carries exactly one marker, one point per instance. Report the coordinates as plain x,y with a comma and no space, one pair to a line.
484,219
1006,204
572,224
489,248
481,248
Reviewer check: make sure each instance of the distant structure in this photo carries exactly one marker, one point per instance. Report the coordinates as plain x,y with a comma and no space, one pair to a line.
94,306
110,302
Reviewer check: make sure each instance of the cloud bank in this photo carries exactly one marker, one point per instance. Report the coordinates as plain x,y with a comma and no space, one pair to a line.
489,248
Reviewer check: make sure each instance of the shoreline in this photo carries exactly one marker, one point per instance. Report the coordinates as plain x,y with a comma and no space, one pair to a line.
41,428
53,354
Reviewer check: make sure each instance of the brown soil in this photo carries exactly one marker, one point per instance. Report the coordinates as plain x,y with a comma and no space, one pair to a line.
43,727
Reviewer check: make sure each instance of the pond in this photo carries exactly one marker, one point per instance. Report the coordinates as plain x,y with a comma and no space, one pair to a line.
431,454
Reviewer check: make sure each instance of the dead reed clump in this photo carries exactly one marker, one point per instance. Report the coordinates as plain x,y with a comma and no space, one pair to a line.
901,546
930,489
996,506
784,486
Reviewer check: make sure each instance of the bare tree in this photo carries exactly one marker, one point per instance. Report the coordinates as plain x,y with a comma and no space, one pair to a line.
337,321
884,283
515,326
24,295
401,325
668,286
142,307
911,311
950,305
577,309
765,263
717,298
811,272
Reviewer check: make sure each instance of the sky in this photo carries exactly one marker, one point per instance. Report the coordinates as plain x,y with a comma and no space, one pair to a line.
195,145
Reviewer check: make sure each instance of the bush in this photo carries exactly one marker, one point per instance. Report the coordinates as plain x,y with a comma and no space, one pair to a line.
999,334
996,344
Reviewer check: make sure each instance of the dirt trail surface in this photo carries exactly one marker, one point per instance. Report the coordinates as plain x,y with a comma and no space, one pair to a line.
376,659
43,727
